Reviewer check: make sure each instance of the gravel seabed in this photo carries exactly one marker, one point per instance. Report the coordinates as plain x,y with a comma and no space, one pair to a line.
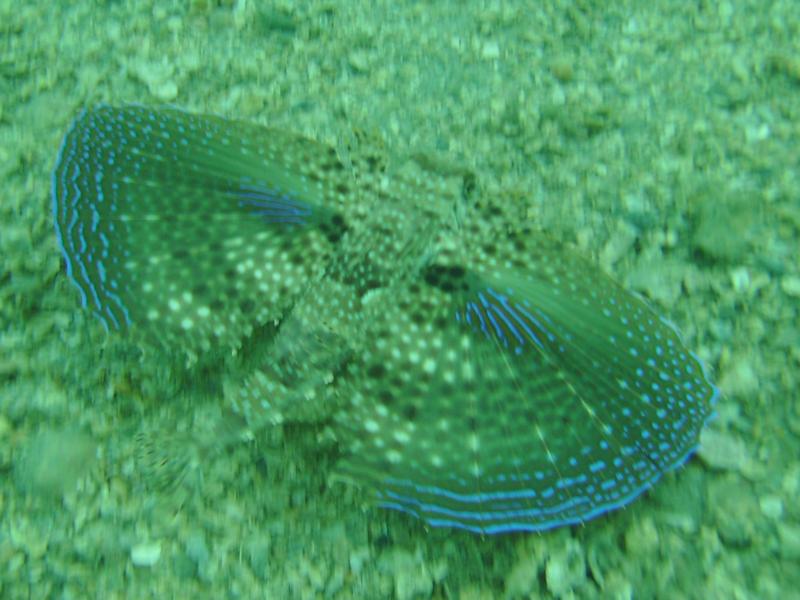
659,137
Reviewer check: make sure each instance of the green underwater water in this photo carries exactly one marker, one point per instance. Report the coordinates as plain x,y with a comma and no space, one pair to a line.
660,140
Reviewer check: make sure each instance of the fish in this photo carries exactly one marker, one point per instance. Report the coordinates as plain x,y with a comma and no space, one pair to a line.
478,374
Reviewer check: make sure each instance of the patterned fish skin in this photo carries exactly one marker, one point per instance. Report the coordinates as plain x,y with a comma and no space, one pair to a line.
326,328
513,386
482,375
192,227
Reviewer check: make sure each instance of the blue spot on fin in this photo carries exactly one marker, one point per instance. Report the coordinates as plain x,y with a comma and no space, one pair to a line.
187,216
530,412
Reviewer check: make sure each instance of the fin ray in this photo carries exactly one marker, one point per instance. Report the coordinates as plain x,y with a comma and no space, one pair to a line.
191,227
518,413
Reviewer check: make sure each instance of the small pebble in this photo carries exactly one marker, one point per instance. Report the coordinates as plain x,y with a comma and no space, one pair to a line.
642,537
562,69
196,548
5,427
720,450
734,510
53,460
565,570
786,65
522,579
618,587
790,484
771,506
739,378
166,91
358,558
411,576
146,554
791,285
491,50
359,61
740,279
619,244
789,536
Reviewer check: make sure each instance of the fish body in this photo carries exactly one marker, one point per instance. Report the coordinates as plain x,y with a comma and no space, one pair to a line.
479,374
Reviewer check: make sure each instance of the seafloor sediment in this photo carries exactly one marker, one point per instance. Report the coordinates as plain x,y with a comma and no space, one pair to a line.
661,141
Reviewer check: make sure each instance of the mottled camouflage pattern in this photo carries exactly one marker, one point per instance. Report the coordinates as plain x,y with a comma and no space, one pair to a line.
479,374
